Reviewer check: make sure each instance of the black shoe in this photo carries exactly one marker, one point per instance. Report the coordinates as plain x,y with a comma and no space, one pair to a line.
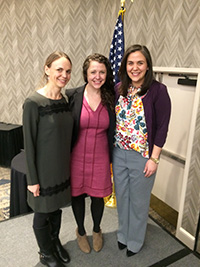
50,260
60,252
121,246
55,223
130,253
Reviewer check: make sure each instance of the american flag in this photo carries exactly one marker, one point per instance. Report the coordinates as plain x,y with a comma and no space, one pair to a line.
117,48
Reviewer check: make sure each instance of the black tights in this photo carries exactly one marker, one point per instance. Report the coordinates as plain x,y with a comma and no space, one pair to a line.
97,208
41,220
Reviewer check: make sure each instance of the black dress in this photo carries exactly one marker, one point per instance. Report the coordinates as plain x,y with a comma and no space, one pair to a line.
47,126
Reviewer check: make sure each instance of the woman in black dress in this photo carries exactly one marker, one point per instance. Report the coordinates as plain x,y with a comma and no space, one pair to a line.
47,125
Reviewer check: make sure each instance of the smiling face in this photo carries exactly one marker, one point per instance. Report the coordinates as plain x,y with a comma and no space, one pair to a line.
59,73
136,68
96,74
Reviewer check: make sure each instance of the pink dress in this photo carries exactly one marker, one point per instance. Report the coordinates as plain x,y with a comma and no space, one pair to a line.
90,164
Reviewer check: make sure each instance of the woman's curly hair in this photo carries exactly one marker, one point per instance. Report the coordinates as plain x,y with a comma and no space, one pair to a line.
107,89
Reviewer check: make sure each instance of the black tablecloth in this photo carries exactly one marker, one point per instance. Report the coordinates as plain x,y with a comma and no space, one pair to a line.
11,142
18,190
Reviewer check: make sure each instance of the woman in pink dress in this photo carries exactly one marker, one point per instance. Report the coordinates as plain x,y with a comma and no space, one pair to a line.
92,107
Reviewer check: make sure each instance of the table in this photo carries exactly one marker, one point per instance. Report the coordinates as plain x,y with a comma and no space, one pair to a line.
18,189
11,142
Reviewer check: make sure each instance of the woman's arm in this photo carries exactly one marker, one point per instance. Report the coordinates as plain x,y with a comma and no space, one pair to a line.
162,107
30,127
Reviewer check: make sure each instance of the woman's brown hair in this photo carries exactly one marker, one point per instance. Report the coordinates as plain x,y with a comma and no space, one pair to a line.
124,78
107,89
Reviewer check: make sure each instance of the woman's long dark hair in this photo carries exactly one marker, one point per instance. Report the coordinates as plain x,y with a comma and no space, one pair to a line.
107,89
124,78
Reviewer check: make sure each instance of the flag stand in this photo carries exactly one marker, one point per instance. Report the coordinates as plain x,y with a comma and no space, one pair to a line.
110,201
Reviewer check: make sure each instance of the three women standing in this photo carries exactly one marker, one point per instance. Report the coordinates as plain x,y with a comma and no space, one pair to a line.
142,117
47,125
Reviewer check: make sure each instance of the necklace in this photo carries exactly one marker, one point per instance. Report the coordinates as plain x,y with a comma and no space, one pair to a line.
134,90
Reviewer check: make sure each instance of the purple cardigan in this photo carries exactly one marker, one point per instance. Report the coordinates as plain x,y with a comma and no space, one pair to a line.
157,110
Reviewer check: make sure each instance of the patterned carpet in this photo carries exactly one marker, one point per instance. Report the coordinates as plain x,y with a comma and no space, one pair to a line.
4,193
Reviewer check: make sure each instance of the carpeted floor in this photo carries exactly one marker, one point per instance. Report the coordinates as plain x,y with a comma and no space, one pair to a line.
4,193
5,202
19,248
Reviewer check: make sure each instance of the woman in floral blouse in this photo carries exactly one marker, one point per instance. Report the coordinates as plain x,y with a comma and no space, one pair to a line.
142,116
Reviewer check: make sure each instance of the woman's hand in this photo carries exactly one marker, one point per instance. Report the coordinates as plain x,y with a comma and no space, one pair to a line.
35,189
150,168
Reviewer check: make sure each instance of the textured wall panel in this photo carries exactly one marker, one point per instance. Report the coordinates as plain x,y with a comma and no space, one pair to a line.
192,199
31,29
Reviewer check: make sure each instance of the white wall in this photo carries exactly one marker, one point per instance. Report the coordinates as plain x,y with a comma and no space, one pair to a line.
169,178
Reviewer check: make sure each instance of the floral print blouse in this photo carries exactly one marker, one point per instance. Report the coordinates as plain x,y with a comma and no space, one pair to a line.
131,130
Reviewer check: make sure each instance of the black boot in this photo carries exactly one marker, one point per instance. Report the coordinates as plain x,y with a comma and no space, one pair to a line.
44,241
55,222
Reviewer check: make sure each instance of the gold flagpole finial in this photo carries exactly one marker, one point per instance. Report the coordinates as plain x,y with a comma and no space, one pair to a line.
122,3
122,10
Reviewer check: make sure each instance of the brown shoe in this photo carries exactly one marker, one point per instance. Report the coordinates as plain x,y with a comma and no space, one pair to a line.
97,241
83,242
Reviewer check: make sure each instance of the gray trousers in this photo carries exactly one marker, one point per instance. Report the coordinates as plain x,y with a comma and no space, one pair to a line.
133,192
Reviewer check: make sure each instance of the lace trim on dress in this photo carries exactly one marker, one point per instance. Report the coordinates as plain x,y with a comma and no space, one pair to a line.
54,108
49,191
